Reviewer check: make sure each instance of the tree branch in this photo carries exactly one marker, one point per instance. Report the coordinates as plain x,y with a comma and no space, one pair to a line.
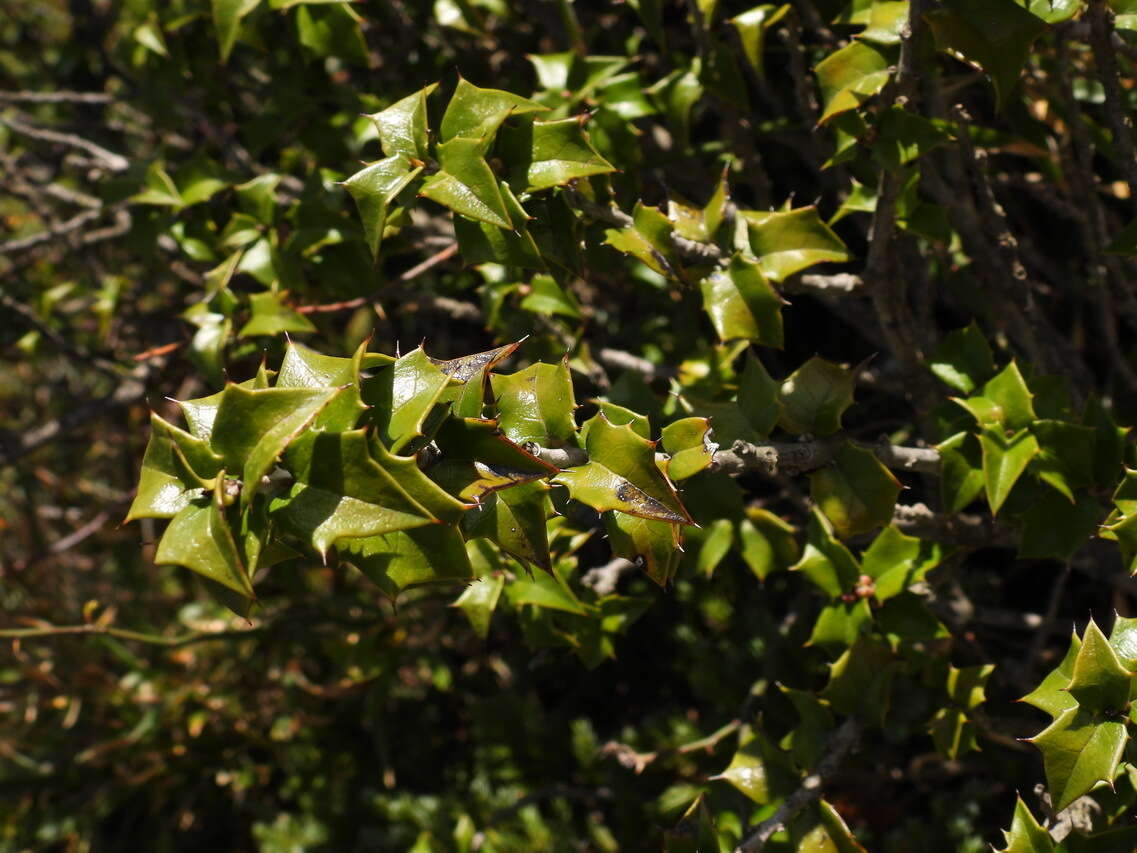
114,162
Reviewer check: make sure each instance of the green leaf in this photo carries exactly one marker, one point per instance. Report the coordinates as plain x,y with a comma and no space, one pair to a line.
177,468
466,184
1065,459
536,404
1008,390
478,458
514,518
839,624
199,538
479,600
716,540
403,126
402,395
850,76
751,27
1004,460
374,189
343,493
618,416
826,561
902,136
695,831
896,561
789,241
963,359
758,396
653,545
952,732
861,679
996,35
808,739
544,154
482,243
472,371
1051,695
688,442
1026,835
1099,682
546,296
855,491
417,485
961,471
814,397
331,30
621,474
759,770
477,113
1079,750
676,95
742,304
227,15
766,542
271,316
1123,640
1053,529
395,561
1054,11
648,239
885,22
254,427
547,591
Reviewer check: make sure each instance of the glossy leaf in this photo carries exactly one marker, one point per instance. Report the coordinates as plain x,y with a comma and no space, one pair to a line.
689,445
896,561
472,371
227,15
839,624
767,542
648,239
961,471
536,404
758,397
481,243
1079,750
1004,461
1123,640
374,189
478,458
1099,682
621,474
395,561
466,184
963,359
402,395
742,304
177,468
514,518
1054,528
751,27
855,491
477,113
271,316
546,296
814,397
759,770
850,76
826,561
403,126
479,601
860,681
199,538
1026,835
1009,392
545,154
1051,695
654,545
789,241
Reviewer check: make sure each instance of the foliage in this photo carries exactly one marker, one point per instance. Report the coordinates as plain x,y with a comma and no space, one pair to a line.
761,425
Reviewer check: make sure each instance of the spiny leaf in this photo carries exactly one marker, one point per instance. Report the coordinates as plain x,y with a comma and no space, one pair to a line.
1079,750
227,15
648,239
374,189
851,75
895,561
759,770
814,397
478,458
476,113
536,404
514,518
1051,695
199,538
766,542
826,561
961,471
855,491
272,316
963,359
544,154
473,372
789,241
654,545
621,474
751,27
1099,682
1026,835
689,445
479,600
395,561
402,395
177,468
482,243
1004,461
742,304
403,126
466,184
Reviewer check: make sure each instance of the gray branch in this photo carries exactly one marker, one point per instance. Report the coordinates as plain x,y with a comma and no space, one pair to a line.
112,161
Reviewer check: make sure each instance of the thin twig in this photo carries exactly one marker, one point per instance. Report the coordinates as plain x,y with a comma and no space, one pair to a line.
124,634
61,97
114,162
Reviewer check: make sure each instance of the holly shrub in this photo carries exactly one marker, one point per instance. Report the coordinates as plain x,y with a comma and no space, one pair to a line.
586,425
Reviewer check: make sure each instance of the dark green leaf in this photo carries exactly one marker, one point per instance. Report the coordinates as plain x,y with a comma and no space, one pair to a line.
537,404
855,491
395,561
466,184
1004,461
374,189
742,304
403,127
514,518
199,538
850,76
1099,682
814,397
654,545
477,113
544,154
789,241
402,395
648,238
963,359
1079,750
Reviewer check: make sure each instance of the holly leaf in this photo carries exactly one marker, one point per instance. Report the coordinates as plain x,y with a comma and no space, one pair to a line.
789,241
1009,392
1004,460
839,624
1099,682
482,243
963,359
621,474
477,113
996,35
544,154
271,316
176,469
374,189
199,538
418,486
742,304
403,126
766,542
478,458
1079,750
961,471
479,600
896,561
1026,835
395,561
688,443
825,560
654,545
472,372
814,397
759,770
1055,529
253,427
536,404
850,76
547,297
758,396
1123,639
227,15
751,27
952,733
466,184
1051,695
855,491
648,239
861,679
402,395
342,493
514,518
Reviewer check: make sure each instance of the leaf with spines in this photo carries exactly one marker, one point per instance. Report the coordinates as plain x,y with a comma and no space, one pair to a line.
536,404
403,128
476,113
751,27
545,154
759,770
472,371
688,443
654,545
855,491
271,315
395,561
480,242
515,518
374,189
961,471
648,239
411,479
1099,682
199,539
963,359
254,427
466,184
788,241
1026,835
896,561
1051,695
621,474
758,396
1079,750
814,397
850,76
479,600
402,395
477,458
1123,640
1004,461
227,15
742,304
827,561
766,542
344,494
177,468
